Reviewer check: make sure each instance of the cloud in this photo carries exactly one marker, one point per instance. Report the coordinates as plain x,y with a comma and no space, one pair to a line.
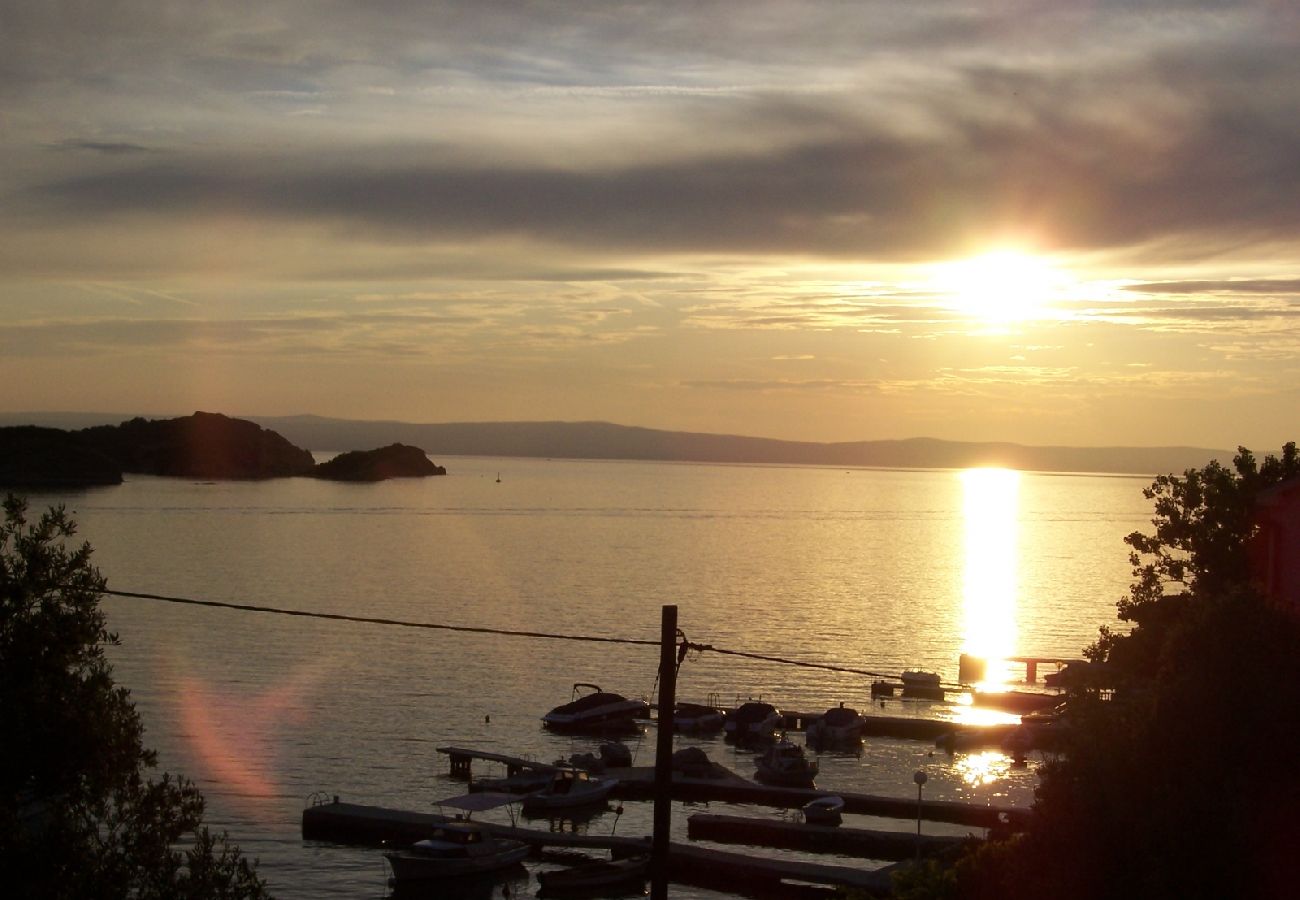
1269,286
784,385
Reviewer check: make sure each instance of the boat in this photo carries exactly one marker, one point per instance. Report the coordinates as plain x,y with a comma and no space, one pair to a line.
455,849
839,726
569,788
697,718
827,810
922,685
881,689
597,712
754,720
785,764
601,878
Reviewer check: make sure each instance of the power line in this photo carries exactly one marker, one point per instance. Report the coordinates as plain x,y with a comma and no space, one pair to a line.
374,620
508,632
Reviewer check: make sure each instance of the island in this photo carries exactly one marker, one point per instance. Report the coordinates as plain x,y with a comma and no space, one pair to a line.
203,445
208,446
393,461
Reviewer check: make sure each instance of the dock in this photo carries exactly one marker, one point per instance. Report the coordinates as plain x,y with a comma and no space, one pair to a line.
720,784
638,784
462,760
786,835
350,823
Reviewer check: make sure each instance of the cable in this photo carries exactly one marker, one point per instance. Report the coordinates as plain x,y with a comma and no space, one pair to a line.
478,629
372,620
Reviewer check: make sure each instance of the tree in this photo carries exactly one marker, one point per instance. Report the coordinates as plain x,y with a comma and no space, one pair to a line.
78,815
1172,787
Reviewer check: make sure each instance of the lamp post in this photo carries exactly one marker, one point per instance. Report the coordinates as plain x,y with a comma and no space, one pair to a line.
920,780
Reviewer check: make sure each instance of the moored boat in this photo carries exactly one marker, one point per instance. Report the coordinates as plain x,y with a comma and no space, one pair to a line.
697,718
785,764
824,811
839,726
922,685
569,788
455,849
597,712
751,721
600,878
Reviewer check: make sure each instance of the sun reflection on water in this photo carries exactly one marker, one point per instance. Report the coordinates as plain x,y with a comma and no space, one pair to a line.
977,769
990,510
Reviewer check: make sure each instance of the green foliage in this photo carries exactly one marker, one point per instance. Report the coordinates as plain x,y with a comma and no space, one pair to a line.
927,880
1203,524
78,817
1177,786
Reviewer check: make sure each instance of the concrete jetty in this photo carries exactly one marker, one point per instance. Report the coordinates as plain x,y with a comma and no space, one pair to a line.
786,835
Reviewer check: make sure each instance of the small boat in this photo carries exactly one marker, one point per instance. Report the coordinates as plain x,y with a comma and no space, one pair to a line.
922,685
596,879
697,718
455,849
881,689
597,712
754,720
784,764
824,811
839,726
569,788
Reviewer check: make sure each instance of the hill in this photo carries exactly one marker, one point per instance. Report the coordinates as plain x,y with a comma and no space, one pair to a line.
603,440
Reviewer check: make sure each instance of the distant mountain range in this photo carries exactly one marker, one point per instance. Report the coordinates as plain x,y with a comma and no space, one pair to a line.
603,440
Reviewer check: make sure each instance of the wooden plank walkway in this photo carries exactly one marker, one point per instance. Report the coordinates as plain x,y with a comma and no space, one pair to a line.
462,758
862,842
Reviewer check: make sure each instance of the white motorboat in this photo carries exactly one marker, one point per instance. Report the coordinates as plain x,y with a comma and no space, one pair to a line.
455,849
570,788
839,726
754,720
597,712
824,811
785,764
697,718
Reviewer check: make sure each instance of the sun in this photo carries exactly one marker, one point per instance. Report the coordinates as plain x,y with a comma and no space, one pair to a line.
1001,286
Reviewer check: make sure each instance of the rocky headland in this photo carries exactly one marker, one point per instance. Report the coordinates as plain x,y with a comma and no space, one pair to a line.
204,445
393,461
52,458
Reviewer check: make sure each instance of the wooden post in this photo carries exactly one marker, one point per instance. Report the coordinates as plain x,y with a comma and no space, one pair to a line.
664,754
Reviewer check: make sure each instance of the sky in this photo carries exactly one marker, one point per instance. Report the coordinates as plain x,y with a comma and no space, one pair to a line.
1043,222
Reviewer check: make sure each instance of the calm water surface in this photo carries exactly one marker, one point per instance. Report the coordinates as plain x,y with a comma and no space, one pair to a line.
876,570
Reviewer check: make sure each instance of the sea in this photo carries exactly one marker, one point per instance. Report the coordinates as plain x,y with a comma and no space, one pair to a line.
854,570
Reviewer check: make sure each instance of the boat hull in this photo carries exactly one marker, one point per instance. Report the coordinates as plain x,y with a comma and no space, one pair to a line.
410,867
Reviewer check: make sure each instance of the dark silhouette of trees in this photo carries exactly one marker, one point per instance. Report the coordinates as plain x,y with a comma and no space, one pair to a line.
1176,779
78,815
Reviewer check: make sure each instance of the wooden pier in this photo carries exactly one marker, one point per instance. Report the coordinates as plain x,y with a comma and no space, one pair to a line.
722,785
638,784
462,761
350,823
786,835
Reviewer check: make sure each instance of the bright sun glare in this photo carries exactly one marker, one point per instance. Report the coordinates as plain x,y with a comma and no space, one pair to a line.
1001,286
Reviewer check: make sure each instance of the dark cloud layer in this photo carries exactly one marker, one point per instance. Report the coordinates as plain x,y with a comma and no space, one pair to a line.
880,195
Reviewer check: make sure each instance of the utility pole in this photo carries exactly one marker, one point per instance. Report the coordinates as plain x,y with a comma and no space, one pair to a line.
664,754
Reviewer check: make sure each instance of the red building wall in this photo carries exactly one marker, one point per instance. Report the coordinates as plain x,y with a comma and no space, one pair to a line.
1275,553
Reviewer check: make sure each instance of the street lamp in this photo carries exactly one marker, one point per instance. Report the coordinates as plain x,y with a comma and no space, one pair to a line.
920,780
